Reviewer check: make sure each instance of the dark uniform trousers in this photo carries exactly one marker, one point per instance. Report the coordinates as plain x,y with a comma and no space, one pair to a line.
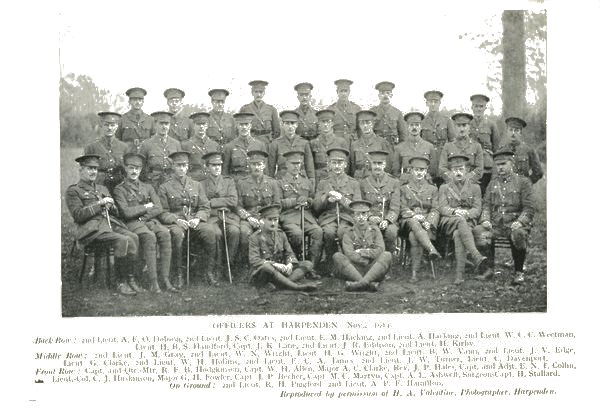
507,199
130,197
290,190
177,196
350,190
355,267
253,194
418,198
92,225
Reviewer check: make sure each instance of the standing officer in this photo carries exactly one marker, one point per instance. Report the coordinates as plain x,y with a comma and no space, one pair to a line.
297,191
289,141
484,131
140,206
526,161
363,261
157,149
136,125
271,257
235,153
254,191
324,142
460,206
438,129
221,125
344,121
199,145
187,210
367,141
222,194
462,145
332,200
383,192
307,128
419,213
181,126
413,146
389,124
110,150
265,123
508,211
93,210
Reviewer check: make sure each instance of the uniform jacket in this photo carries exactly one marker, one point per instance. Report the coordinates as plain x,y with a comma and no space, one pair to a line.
421,199
466,196
406,150
265,121
389,123
181,127
508,199
235,158
320,145
376,191
290,190
485,131
157,153
307,123
130,198
111,156
82,201
527,161
347,186
368,237
198,147
135,128
359,159
266,247
438,130
222,193
175,194
253,195
465,147
281,145
221,128
344,120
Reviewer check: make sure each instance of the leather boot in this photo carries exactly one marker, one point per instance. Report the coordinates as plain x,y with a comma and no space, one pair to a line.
211,278
131,277
168,286
124,289
461,258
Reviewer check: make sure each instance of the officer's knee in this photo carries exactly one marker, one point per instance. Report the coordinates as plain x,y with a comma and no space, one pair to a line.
519,238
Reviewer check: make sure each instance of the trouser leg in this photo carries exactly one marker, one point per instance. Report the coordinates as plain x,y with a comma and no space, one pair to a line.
459,253
378,270
345,268
416,253
466,235
390,236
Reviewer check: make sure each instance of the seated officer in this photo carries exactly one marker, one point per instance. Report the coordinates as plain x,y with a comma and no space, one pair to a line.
199,145
140,207
363,261
383,192
419,213
235,153
526,160
187,209
413,146
296,191
222,194
110,150
460,206
332,199
271,257
324,142
94,212
254,191
508,211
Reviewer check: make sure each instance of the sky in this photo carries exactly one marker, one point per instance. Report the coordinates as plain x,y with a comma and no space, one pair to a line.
226,44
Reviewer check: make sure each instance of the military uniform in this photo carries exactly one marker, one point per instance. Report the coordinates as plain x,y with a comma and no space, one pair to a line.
158,165
221,125
293,191
198,146
181,126
527,161
111,152
363,260
359,158
135,125
389,124
465,147
484,131
235,156
323,143
92,224
265,123
307,115
406,150
437,129
185,199
344,121
130,197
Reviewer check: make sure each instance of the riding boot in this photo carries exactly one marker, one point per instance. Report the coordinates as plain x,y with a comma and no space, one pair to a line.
459,254
131,277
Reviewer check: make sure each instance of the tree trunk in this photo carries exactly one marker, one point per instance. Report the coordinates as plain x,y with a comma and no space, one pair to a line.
513,64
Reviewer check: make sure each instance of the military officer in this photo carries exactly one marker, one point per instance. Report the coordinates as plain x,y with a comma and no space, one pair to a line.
221,125
235,153
93,210
484,131
136,125
389,124
290,141
297,191
413,146
332,198
437,129
222,194
307,127
508,210
181,126
344,121
460,207
419,213
140,208
254,191
526,160
265,123
383,191
157,149
462,145
199,145
110,150
363,261
324,142
271,257
187,210
367,141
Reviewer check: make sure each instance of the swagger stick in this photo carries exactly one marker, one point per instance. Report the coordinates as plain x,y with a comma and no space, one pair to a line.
226,247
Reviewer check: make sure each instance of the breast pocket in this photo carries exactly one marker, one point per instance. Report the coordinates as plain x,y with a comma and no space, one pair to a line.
249,199
442,133
238,158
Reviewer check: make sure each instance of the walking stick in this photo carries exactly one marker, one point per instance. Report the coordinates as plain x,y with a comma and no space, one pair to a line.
107,217
302,229
226,247
186,212
337,215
